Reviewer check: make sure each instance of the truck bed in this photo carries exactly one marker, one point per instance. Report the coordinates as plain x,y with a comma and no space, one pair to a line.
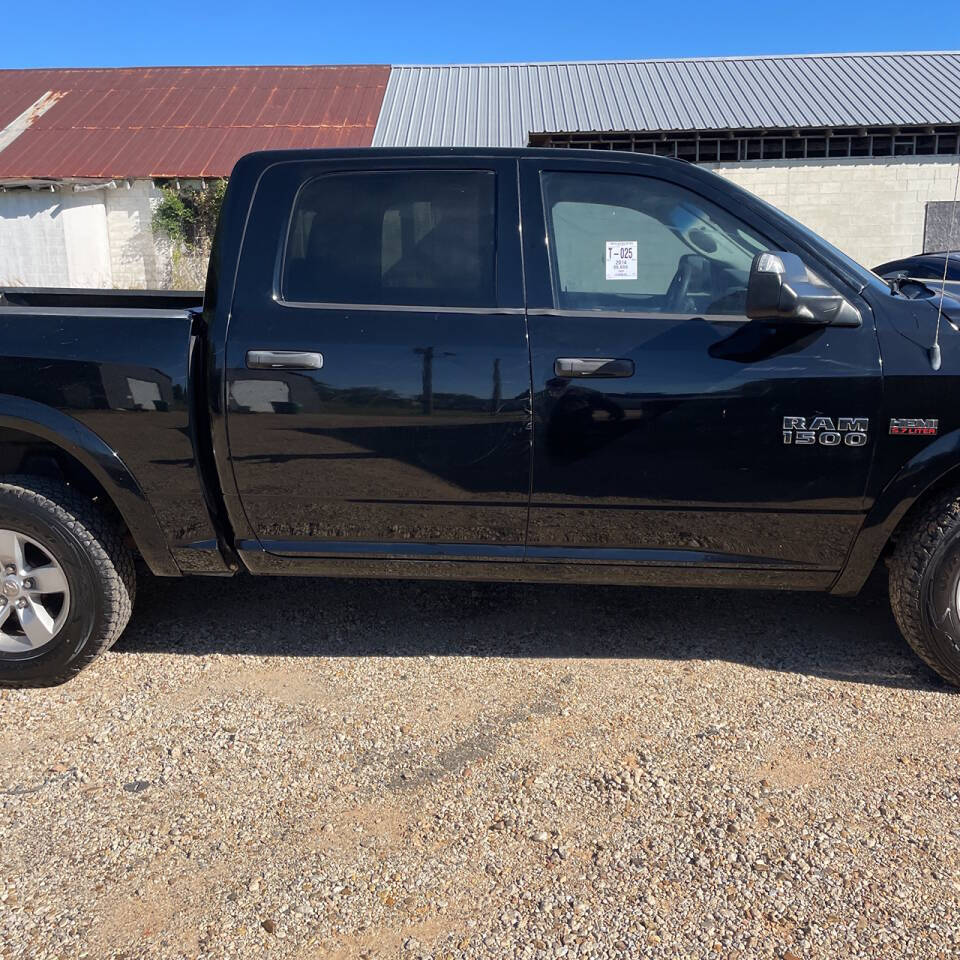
67,297
113,367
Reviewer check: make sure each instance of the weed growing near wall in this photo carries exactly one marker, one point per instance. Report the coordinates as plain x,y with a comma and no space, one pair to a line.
186,219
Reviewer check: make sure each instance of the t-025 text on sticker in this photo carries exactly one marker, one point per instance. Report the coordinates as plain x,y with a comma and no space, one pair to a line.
621,259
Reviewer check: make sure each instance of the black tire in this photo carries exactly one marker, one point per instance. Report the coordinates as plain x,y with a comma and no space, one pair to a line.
924,584
99,570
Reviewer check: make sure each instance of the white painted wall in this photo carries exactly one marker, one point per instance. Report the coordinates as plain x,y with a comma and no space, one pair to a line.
32,248
86,240
872,209
101,238
135,259
53,239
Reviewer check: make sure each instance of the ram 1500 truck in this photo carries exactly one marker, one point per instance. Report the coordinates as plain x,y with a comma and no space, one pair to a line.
537,365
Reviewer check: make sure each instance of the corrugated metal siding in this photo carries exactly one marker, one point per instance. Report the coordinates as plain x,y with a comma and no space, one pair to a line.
500,105
182,122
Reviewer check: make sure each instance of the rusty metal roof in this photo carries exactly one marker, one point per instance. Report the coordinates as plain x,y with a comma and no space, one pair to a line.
177,121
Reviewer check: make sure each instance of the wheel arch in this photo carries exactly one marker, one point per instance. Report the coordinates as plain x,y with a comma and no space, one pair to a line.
35,435
924,476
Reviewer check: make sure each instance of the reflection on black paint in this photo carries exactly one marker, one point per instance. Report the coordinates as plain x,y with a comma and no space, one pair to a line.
88,385
761,341
130,389
688,452
581,419
399,437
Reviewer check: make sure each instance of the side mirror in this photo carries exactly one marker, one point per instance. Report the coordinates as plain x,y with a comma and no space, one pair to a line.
782,289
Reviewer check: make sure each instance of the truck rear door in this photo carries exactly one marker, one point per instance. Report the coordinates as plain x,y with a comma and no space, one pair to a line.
378,381
669,429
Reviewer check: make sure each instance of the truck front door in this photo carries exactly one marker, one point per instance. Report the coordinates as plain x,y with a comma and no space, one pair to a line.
378,381
669,429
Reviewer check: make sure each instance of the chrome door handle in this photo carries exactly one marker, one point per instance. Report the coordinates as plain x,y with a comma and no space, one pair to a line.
284,360
592,367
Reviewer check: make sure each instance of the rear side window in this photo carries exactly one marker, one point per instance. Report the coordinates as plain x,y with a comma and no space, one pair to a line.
424,237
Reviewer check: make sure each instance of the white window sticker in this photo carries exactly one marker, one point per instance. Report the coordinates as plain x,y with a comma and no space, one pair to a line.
621,259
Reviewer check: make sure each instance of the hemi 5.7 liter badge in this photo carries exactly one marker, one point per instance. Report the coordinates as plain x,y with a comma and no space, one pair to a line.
850,431
913,427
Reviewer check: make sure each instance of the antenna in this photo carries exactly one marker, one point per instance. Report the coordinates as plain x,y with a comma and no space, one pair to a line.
934,351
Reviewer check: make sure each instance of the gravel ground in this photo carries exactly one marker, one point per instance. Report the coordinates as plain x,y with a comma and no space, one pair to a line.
308,769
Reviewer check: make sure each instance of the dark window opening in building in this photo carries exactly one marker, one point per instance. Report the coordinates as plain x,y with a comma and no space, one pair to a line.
734,146
941,227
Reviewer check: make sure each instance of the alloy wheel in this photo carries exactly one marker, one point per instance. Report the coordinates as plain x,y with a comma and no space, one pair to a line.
34,594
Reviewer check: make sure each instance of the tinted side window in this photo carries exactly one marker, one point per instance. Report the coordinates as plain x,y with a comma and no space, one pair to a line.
626,242
409,237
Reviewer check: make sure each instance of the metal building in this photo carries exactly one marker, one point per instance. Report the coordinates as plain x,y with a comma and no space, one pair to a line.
859,146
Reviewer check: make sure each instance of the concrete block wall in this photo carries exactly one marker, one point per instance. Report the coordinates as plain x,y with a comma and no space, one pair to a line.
136,260
872,209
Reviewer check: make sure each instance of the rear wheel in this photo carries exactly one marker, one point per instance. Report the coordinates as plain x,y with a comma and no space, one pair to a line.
66,582
925,585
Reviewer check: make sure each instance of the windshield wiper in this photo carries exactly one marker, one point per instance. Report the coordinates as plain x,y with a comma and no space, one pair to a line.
899,281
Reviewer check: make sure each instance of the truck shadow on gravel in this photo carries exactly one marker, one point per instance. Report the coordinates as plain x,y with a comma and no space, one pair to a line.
805,633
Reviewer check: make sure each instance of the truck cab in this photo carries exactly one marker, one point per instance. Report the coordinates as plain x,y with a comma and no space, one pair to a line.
537,359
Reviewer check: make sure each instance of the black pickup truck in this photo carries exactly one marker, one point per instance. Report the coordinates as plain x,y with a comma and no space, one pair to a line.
535,365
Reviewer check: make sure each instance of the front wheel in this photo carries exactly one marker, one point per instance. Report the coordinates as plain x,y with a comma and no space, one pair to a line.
925,585
66,582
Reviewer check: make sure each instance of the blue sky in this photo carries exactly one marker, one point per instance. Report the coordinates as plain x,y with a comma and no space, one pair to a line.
64,34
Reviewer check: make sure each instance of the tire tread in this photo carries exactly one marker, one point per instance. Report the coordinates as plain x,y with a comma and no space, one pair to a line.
102,541
916,547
